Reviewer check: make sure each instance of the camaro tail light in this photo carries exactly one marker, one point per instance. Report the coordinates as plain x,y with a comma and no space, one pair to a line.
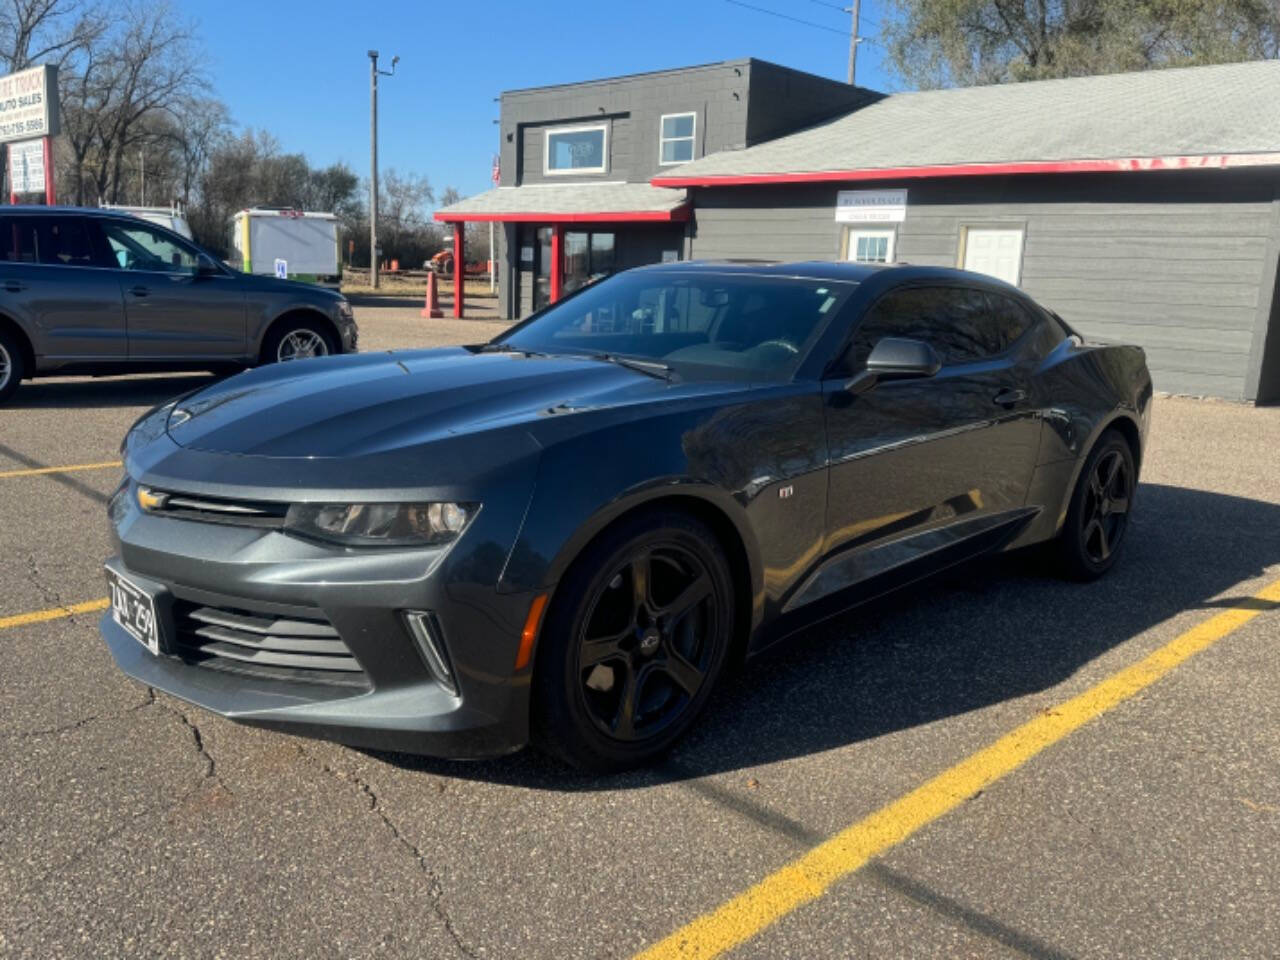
427,637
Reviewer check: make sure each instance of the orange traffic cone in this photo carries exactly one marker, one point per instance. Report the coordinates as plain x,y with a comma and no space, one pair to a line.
432,307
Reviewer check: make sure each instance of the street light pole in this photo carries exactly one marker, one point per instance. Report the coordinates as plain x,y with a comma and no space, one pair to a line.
374,73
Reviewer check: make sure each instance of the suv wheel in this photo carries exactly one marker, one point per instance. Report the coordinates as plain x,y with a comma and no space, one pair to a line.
297,340
11,365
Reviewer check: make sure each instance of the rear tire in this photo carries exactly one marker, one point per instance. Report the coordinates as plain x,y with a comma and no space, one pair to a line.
1098,516
297,340
12,365
635,640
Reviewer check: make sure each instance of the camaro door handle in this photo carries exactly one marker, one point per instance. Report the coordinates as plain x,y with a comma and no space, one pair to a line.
14,286
139,291
1008,397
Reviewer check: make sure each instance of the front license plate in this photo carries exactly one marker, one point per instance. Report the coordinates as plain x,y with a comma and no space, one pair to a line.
134,610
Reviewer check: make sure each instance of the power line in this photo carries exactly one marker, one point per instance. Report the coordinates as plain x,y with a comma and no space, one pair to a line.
843,9
783,16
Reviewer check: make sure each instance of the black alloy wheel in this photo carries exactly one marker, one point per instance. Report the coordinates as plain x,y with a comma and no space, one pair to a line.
636,640
1099,514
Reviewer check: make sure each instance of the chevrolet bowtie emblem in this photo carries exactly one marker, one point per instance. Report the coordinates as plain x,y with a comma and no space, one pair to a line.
150,500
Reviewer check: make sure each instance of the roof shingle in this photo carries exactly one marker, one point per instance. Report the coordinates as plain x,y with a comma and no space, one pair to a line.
1232,109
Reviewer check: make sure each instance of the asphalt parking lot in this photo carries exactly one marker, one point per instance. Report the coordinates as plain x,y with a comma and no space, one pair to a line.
1009,765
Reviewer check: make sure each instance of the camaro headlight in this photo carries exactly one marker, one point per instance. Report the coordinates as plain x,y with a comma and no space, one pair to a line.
345,311
380,524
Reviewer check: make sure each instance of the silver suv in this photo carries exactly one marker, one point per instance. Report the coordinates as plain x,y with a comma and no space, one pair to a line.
91,291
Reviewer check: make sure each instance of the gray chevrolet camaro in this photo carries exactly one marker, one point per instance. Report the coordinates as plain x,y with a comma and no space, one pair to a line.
567,534
90,291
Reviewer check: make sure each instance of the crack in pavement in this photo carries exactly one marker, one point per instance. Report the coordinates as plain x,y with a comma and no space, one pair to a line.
82,722
210,773
211,767
435,888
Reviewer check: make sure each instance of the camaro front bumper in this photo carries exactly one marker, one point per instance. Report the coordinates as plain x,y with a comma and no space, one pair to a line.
226,597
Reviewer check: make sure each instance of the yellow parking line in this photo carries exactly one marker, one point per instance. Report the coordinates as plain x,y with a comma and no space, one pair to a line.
812,875
5,475
54,613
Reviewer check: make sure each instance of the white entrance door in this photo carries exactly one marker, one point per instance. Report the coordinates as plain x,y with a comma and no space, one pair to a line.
995,252
874,245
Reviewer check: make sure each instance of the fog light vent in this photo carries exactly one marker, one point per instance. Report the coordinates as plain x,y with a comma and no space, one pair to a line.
427,636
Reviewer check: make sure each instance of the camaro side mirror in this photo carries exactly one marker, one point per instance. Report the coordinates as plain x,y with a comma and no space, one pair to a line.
207,267
895,358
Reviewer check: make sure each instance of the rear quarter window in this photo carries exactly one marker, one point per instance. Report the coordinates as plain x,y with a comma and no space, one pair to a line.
49,241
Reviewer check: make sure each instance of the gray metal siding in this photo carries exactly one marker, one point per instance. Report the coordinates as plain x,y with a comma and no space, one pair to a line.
1175,263
736,103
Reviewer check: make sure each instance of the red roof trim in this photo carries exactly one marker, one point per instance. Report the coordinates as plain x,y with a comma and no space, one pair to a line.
1115,165
677,214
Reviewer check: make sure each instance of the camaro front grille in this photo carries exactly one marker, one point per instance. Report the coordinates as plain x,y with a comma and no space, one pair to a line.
245,513
283,648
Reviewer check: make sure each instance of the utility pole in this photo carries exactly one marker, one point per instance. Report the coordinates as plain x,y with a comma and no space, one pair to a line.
374,73
854,40
142,175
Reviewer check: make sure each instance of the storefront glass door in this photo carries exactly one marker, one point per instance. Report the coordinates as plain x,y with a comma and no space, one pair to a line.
587,257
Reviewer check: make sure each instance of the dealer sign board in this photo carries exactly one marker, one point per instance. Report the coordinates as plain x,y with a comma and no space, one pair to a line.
26,166
29,104
871,206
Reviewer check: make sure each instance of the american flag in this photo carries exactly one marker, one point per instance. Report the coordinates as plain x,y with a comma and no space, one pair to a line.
497,171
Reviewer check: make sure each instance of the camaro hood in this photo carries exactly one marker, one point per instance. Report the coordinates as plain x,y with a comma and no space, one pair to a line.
375,402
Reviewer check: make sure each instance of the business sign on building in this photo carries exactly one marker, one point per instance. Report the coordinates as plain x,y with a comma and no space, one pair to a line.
29,104
871,206
26,166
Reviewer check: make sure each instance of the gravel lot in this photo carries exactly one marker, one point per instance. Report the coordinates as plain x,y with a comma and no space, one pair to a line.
134,825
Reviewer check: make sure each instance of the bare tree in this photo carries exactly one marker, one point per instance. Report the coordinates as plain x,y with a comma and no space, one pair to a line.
112,94
47,31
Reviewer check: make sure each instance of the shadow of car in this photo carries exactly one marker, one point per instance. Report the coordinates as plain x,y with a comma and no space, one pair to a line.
988,632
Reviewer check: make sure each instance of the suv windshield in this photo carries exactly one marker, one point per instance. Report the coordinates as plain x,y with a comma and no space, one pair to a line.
702,325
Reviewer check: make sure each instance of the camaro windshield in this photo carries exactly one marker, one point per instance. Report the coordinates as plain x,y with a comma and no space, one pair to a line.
701,325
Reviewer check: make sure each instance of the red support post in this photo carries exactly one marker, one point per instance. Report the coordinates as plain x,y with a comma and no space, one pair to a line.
557,261
49,198
459,268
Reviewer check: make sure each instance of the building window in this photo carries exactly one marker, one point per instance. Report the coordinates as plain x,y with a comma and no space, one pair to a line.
677,138
995,251
871,245
577,149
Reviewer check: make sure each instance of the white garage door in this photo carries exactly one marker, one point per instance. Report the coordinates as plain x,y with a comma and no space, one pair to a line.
995,252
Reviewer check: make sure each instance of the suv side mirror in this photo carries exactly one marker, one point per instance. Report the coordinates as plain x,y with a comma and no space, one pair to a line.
895,358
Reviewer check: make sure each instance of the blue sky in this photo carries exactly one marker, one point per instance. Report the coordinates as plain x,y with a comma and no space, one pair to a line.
299,68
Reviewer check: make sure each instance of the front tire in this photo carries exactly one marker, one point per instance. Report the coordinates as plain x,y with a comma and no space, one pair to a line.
636,638
1098,516
12,368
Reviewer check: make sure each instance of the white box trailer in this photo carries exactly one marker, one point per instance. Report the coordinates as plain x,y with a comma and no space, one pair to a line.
306,243
171,217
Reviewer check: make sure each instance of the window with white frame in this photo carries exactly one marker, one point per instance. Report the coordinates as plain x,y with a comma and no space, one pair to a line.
677,136
577,149
871,244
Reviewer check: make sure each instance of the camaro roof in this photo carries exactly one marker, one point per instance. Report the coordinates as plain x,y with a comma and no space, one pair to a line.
1159,119
834,270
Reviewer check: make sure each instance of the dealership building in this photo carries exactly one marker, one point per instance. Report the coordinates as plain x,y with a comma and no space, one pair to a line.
1142,207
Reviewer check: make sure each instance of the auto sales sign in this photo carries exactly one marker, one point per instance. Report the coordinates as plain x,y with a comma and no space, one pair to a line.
29,104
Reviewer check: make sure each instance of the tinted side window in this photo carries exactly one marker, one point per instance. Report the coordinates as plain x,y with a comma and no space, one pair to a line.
963,326
50,241
949,319
1009,321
